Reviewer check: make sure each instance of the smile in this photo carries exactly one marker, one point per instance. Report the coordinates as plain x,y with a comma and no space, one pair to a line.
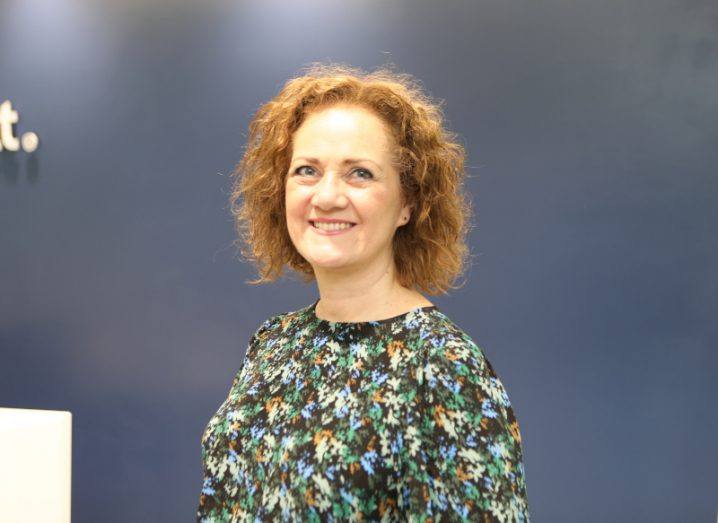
333,231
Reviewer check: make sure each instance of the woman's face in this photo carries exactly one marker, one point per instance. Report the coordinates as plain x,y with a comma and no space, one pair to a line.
322,183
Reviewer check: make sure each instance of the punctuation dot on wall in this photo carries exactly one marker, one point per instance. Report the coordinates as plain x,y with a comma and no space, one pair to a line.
29,142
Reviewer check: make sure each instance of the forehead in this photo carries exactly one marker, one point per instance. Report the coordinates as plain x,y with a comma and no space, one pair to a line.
342,129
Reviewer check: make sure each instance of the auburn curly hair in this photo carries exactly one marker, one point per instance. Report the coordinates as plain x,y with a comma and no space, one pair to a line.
430,251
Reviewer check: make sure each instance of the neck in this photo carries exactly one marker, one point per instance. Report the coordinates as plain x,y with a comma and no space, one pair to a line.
366,298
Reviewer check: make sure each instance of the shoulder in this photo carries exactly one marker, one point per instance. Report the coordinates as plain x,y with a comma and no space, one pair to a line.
455,369
278,325
448,348
269,326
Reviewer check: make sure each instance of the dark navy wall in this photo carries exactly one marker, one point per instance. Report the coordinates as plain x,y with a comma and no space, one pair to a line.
591,129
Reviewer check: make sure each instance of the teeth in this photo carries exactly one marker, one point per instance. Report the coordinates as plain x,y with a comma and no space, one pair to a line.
332,226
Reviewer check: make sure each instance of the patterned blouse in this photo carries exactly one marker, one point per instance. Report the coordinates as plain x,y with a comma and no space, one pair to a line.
400,419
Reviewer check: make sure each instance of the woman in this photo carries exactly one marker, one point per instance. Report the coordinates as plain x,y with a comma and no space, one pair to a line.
370,403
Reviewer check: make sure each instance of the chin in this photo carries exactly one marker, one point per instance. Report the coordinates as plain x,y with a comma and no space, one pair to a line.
329,263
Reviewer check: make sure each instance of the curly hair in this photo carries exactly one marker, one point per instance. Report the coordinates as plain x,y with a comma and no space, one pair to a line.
430,251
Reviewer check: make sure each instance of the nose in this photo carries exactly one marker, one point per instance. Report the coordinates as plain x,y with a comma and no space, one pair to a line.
330,191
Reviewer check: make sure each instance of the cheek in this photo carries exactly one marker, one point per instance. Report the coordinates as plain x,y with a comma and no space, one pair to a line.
377,210
296,211
292,203
372,204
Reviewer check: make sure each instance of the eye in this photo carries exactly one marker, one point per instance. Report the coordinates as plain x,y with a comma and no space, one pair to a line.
369,177
366,171
296,171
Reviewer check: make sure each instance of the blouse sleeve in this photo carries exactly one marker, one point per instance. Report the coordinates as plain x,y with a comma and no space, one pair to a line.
463,447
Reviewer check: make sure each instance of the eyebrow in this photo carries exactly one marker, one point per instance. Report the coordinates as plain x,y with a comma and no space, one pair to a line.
346,161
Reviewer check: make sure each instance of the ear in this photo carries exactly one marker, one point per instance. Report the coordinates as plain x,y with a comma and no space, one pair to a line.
405,215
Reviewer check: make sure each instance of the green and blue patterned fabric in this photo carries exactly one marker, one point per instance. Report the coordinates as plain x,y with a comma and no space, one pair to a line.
401,419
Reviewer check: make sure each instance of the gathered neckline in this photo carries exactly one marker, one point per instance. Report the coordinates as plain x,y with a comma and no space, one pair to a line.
313,313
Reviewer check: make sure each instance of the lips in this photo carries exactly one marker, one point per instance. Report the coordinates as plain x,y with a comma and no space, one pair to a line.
337,221
331,232
313,223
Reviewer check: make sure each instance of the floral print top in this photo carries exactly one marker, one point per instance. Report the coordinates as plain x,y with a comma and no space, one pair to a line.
400,419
